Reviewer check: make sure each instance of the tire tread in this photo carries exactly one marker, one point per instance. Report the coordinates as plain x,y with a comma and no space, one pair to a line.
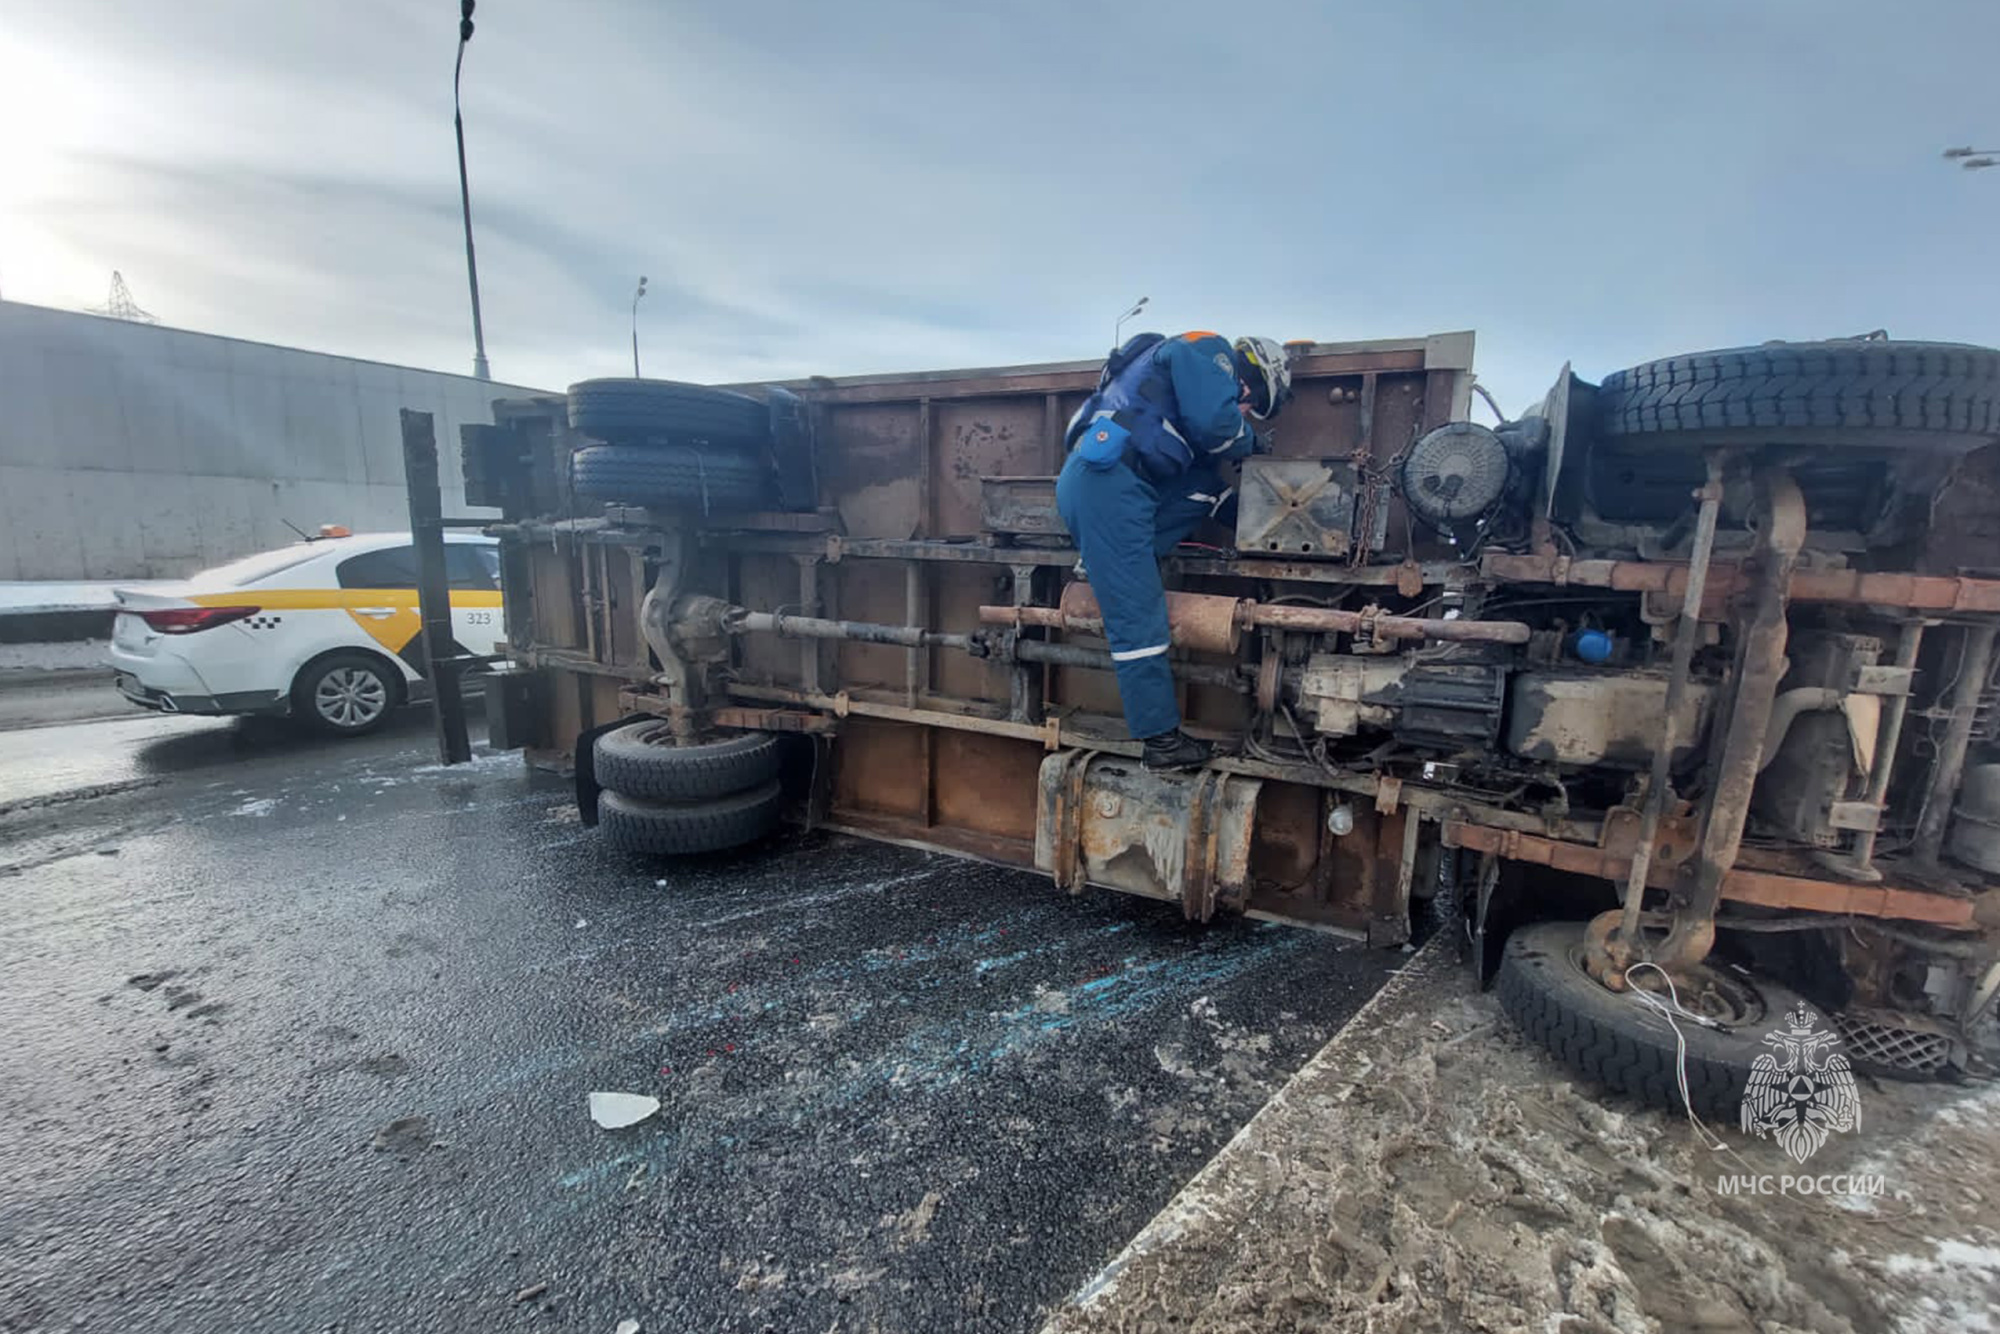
625,411
1929,388
1591,1040
627,763
670,477
631,824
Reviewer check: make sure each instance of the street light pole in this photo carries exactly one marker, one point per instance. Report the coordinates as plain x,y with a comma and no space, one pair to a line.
635,326
479,366
1118,329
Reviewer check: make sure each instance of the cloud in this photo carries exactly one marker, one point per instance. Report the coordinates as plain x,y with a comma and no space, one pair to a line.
893,186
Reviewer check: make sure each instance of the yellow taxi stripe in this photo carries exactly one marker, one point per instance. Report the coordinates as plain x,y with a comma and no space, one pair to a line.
336,599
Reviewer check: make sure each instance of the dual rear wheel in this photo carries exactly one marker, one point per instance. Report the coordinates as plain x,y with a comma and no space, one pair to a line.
665,799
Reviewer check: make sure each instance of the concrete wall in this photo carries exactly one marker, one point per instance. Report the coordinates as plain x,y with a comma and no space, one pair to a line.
130,451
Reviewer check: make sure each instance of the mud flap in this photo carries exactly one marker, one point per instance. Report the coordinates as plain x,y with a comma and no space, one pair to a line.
587,787
513,706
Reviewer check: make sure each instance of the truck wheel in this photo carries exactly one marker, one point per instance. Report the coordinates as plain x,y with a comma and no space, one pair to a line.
634,411
1620,1042
643,761
671,477
1936,396
632,824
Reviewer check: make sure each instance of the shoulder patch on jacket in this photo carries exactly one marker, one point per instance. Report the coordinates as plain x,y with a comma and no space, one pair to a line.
1196,335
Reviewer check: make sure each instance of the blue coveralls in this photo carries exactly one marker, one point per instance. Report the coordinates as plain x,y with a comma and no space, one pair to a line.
1125,517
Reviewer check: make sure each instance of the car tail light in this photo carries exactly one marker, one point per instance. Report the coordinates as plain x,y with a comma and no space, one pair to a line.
187,620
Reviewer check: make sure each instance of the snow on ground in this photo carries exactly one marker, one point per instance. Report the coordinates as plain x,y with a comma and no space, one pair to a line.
1428,1170
80,655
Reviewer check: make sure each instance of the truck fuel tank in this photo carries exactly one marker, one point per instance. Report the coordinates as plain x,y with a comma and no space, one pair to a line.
1104,820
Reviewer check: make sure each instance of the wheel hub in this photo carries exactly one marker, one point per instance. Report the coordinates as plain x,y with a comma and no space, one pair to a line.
350,697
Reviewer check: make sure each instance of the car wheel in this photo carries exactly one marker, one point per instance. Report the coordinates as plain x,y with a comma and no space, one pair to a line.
345,694
632,824
623,411
674,477
643,761
1619,1042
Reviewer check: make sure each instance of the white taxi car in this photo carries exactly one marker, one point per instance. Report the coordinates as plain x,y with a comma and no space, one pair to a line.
325,630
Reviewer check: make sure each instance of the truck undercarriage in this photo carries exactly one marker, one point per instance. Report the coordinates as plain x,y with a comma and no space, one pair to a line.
1698,660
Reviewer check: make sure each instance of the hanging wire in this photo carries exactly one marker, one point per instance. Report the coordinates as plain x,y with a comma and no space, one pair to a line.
1671,1010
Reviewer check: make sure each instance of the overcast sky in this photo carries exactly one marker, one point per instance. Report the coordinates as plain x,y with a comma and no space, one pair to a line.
873,186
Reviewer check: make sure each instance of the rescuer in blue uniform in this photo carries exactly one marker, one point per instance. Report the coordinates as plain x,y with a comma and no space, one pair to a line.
1144,467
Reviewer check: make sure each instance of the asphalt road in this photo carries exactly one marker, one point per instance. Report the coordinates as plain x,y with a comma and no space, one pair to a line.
300,1036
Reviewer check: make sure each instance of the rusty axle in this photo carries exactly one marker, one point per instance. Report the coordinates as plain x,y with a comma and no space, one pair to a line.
1213,623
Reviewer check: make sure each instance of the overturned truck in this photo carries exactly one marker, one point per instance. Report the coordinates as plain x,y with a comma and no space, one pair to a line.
1681,683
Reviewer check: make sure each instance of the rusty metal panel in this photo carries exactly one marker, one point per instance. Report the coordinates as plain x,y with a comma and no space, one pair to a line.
1331,416
956,594
1740,885
880,767
563,696
1023,506
767,582
1323,420
979,438
1062,377
1286,847
1393,869
870,590
1084,689
985,784
1297,507
872,460
1214,706
1303,872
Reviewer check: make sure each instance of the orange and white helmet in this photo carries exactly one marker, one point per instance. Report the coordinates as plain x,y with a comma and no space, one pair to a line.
1263,365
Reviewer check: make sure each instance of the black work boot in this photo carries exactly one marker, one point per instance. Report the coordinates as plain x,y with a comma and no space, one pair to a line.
1177,750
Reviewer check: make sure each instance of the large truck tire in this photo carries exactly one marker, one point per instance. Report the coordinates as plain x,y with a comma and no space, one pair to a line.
643,761
632,824
1619,1042
623,411
1936,396
671,477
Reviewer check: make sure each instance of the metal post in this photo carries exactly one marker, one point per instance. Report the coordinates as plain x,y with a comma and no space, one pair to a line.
916,670
420,475
1975,660
811,653
1861,861
635,325
1686,631
479,366
1760,662
1025,682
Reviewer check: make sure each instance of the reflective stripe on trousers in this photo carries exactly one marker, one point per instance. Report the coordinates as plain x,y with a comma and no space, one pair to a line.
1115,516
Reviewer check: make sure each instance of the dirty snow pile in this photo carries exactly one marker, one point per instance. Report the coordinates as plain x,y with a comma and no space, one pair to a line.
1429,1171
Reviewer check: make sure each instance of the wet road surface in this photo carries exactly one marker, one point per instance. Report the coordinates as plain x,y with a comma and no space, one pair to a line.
300,1035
